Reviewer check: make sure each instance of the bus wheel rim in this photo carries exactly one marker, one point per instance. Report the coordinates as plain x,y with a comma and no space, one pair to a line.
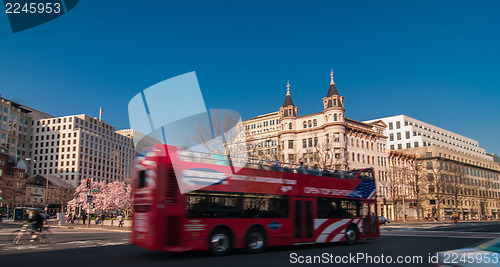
220,242
256,241
350,234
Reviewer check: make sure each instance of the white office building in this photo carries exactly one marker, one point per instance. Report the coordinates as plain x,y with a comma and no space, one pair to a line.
78,147
406,132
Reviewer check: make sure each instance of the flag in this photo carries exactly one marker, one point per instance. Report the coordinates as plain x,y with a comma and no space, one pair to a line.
102,111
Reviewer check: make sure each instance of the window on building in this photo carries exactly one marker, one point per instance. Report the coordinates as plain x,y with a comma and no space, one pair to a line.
407,134
398,125
290,144
304,143
290,126
429,165
391,137
390,126
399,136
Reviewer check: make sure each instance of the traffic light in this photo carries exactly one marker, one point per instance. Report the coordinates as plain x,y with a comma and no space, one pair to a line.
87,183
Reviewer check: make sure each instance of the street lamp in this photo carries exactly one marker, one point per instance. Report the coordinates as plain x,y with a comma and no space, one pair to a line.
417,190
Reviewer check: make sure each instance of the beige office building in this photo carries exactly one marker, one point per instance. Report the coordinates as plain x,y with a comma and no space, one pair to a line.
78,147
456,182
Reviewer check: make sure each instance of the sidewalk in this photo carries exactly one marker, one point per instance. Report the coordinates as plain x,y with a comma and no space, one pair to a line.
92,226
444,222
53,223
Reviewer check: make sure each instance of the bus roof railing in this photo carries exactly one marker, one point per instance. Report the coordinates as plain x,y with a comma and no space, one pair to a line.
263,164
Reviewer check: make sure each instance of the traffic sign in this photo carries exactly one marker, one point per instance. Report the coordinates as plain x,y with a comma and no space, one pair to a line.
89,199
95,191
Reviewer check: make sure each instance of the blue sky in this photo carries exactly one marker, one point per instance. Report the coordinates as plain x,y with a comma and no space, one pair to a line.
436,61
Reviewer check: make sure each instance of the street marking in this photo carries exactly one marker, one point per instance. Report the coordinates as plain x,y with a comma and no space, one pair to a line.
434,236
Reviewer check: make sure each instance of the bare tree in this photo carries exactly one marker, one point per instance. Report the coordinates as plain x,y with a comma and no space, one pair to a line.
63,195
444,184
455,186
13,187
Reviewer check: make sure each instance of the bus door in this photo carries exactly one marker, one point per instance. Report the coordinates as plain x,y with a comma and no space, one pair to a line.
303,219
370,220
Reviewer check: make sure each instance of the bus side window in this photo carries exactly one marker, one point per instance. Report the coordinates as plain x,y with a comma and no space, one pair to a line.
142,179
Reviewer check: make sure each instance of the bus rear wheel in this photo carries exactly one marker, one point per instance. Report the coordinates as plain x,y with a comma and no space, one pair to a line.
220,242
351,235
255,240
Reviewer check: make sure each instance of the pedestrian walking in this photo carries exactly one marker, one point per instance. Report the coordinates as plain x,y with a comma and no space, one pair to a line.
102,218
84,217
120,220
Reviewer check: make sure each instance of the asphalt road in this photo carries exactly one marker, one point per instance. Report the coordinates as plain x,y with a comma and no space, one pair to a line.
90,247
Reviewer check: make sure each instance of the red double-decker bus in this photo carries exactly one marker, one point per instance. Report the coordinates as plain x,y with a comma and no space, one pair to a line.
217,208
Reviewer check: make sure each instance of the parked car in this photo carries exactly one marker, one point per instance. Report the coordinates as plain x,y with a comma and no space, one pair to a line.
383,220
483,254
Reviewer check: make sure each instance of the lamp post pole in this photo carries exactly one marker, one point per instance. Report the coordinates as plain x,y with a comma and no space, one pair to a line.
46,190
417,190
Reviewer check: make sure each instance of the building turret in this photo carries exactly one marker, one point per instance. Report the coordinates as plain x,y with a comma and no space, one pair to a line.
334,123
333,99
287,135
288,109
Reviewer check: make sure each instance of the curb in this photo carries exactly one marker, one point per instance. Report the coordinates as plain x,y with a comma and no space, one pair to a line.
93,228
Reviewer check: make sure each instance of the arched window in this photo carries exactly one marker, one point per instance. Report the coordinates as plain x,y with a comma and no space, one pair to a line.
326,118
368,158
335,102
305,124
315,122
362,144
290,126
334,117
358,158
310,123
353,158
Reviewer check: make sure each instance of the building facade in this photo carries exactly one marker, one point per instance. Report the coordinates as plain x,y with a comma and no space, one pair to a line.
326,139
406,132
16,122
78,147
455,182
397,191
54,195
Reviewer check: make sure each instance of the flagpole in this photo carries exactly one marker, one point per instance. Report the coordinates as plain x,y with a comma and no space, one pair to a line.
100,113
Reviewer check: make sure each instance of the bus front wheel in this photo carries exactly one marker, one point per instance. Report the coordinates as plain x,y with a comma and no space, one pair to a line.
220,242
255,240
351,235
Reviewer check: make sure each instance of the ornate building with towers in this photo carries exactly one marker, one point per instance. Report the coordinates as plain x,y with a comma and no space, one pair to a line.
326,139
